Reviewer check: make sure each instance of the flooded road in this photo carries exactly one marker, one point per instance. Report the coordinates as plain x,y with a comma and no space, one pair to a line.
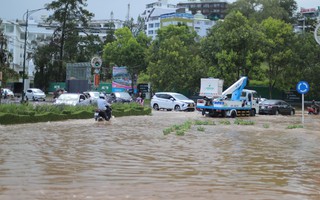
131,158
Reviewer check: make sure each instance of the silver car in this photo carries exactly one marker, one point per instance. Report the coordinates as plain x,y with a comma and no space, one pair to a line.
73,99
35,94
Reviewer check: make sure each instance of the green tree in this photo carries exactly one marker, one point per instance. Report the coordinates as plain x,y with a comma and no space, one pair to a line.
69,14
232,49
304,65
260,10
174,62
88,47
125,51
45,72
278,50
5,56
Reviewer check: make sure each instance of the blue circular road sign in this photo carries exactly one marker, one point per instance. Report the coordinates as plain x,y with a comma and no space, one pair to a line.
303,87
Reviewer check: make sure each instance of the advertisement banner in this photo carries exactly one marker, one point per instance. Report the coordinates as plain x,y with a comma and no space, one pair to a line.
121,80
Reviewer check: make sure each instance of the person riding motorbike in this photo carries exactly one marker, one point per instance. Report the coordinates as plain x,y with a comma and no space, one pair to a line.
104,108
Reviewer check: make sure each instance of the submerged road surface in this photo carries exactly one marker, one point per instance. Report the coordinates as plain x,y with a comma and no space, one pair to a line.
131,158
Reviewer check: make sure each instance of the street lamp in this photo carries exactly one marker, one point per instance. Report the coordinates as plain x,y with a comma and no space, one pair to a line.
28,13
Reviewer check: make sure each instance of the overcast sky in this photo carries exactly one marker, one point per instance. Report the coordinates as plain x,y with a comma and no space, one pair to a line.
14,9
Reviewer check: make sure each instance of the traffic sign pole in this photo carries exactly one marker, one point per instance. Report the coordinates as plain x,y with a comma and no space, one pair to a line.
302,88
302,109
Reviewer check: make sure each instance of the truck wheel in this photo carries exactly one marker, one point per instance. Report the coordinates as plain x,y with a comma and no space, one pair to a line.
233,114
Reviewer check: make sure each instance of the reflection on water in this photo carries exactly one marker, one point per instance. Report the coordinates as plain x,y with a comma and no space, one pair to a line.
130,158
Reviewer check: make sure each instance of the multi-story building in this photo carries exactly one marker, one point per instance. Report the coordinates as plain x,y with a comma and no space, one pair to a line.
202,25
211,9
176,19
14,32
307,14
160,13
152,14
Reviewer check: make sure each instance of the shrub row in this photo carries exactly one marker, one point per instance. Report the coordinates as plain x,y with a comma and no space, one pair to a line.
28,113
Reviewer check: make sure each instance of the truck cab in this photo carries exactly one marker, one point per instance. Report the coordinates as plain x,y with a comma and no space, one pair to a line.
252,98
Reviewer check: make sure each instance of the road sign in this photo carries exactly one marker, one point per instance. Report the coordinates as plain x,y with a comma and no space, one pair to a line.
303,87
96,62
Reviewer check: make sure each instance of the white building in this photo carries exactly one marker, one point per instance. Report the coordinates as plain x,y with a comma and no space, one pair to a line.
152,14
202,25
160,14
14,32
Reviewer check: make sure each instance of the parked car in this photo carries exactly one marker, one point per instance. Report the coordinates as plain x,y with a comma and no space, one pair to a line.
35,94
172,101
6,93
92,95
119,97
73,99
275,107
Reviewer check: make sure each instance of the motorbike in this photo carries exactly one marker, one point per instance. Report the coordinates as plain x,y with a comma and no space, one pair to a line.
313,110
98,115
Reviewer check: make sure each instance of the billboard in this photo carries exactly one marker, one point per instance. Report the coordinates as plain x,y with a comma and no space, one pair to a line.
121,80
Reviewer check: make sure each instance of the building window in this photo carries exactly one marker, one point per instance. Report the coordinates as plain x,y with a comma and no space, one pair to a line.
9,28
150,25
157,25
150,32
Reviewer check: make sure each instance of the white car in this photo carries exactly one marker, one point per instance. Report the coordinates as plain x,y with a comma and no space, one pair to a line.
73,99
172,101
6,92
35,94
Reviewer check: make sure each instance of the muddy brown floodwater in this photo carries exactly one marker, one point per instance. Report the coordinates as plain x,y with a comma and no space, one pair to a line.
131,158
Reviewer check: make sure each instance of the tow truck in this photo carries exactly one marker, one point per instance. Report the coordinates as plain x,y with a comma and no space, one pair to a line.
234,101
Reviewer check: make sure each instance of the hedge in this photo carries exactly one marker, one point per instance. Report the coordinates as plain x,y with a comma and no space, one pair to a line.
19,113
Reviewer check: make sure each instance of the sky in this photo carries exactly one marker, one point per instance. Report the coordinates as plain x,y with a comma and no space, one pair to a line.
15,9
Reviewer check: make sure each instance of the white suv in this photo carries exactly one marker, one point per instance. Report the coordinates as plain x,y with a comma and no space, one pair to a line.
35,94
171,101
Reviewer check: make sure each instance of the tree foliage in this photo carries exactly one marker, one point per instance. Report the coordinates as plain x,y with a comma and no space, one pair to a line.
232,49
68,14
260,10
126,51
173,59
278,49
5,57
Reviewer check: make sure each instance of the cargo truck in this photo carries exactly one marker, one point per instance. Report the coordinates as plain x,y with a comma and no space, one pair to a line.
234,101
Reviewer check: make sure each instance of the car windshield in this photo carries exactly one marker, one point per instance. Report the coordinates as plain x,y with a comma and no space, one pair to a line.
123,95
180,97
37,91
272,102
94,94
69,97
